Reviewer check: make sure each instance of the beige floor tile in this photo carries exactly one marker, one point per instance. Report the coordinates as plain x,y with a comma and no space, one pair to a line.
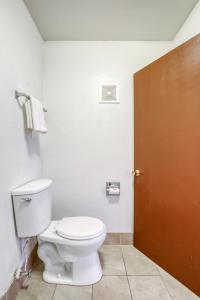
3,297
128,248
37,269
67,292
112,288
137,263
23,295
37,290
113,248
177,290
148,288
112,260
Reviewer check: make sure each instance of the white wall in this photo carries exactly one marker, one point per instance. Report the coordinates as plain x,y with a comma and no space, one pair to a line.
90,143
21,56
190,28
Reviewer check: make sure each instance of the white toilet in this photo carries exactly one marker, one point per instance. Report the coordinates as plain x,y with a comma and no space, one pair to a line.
68,247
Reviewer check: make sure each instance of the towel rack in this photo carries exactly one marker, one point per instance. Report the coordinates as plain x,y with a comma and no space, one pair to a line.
20,94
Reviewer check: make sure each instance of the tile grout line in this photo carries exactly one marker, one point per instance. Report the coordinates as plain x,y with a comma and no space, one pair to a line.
126,273
129,287
164,283
54,292
158,275
144,275
121,275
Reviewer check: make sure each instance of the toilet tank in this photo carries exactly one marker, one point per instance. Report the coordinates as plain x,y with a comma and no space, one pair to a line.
32,207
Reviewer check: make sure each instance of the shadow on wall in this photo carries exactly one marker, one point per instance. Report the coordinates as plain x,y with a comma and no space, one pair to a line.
113,199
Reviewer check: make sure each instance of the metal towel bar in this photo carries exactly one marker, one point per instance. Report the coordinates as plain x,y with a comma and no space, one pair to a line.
20,94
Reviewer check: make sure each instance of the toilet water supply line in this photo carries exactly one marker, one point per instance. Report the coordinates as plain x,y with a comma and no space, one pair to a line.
23,272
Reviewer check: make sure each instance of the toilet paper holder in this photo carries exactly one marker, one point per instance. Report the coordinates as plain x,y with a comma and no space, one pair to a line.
112,188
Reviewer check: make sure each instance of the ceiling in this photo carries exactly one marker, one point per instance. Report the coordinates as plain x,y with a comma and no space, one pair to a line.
112,20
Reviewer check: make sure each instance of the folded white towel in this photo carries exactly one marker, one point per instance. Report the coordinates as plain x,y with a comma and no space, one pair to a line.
29,120
35,115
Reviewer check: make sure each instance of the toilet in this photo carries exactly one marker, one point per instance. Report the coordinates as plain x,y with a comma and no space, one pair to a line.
68,247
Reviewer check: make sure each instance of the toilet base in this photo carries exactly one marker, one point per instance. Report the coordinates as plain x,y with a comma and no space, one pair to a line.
85,270
68,261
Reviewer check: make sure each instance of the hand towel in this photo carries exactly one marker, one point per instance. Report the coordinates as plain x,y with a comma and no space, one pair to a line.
37,113
29,120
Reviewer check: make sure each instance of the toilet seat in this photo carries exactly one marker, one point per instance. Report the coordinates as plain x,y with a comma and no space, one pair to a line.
80,228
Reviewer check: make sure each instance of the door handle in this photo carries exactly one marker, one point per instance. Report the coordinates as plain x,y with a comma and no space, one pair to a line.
28,199
136,173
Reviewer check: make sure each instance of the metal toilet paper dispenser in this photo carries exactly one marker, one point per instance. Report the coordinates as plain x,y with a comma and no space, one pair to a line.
112,188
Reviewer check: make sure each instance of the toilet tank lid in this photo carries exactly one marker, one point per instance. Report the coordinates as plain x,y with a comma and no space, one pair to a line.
32,187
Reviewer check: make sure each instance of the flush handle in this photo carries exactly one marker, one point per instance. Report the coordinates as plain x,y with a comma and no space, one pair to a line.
27,199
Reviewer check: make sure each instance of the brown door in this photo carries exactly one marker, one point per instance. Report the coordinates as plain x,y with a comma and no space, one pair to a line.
167,153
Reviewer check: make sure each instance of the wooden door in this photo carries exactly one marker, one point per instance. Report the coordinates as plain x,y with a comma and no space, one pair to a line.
167,153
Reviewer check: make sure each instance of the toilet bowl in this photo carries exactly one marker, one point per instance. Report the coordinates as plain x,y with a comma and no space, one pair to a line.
69,250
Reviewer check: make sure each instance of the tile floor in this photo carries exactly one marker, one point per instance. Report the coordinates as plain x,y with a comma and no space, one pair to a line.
127,275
